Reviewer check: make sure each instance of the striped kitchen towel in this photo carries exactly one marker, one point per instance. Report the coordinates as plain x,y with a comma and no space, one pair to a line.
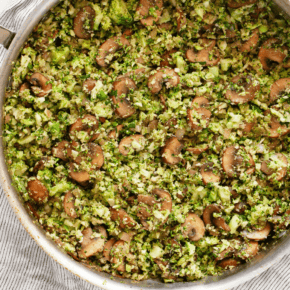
24,266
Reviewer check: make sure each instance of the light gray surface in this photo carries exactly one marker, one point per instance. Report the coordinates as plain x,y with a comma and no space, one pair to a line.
23,265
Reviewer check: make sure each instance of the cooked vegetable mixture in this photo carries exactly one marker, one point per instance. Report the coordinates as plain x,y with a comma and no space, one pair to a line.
150,139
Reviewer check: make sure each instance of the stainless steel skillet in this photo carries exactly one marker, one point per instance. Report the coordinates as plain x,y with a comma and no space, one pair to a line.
13,43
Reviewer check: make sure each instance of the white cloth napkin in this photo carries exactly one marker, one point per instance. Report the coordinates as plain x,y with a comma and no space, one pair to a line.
24,266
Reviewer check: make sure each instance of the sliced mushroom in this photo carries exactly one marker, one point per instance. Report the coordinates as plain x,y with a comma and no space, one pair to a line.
240,207
92,246
243,88
235,161
37,191
88,85
135,142
117,255
171,150
163,75
151,11
134,74
60,150
251,43
193,227
209,173
158,200
249,251
110,46
167,59
229,263
84,17
124,220
198,114
25,86
258,235
278,88
107,248
69,205
40,165
84,129
276,129
40,84
198,150
122,87
208,56
280,172
238,3
269,54
80,176
181,20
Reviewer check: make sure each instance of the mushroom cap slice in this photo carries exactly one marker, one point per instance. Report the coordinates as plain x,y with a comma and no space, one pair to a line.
144,10
198,150
69,205
281,171
238,3
208,56
117,255
167,59
249,251
193,227
234,161
278,88
40,84
276,129
259,234
107,248
124,220
80,176
91,246
88,85
163,75
60,150
122,87
251,43
37,191
246,91
87,13
229,263
84,129
198,113
110,46
209,173
172,147
135,142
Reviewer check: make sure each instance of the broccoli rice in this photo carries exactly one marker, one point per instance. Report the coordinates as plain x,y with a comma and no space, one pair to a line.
150,139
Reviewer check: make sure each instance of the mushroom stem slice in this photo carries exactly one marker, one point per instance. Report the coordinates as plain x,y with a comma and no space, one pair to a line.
193,227
259,234
171,150
69,205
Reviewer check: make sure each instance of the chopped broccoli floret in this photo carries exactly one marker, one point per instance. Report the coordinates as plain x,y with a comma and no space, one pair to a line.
101,18
119,13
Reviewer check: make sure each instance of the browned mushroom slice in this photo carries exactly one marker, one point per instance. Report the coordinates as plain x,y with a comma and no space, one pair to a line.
198,150
122,87
165,267
134,142
151,11
269,54
240,207
249,251
198,114
221,223
84,129
110,46
107,248
88,85
163,75
92,246
276,129
247,127
32,210
84,17
208,56
209,173
229,263
252,42
78,175
171,150
159,200
69,205
134,74
37,191
124,220
239,3
40,165
193,227
181,20
280,171
259,234
225,253
167,26
40,84
25,86
243,88
279,87
60,150
236,160
117,255
167,59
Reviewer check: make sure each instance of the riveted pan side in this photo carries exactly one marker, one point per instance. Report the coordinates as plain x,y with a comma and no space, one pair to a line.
229,279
